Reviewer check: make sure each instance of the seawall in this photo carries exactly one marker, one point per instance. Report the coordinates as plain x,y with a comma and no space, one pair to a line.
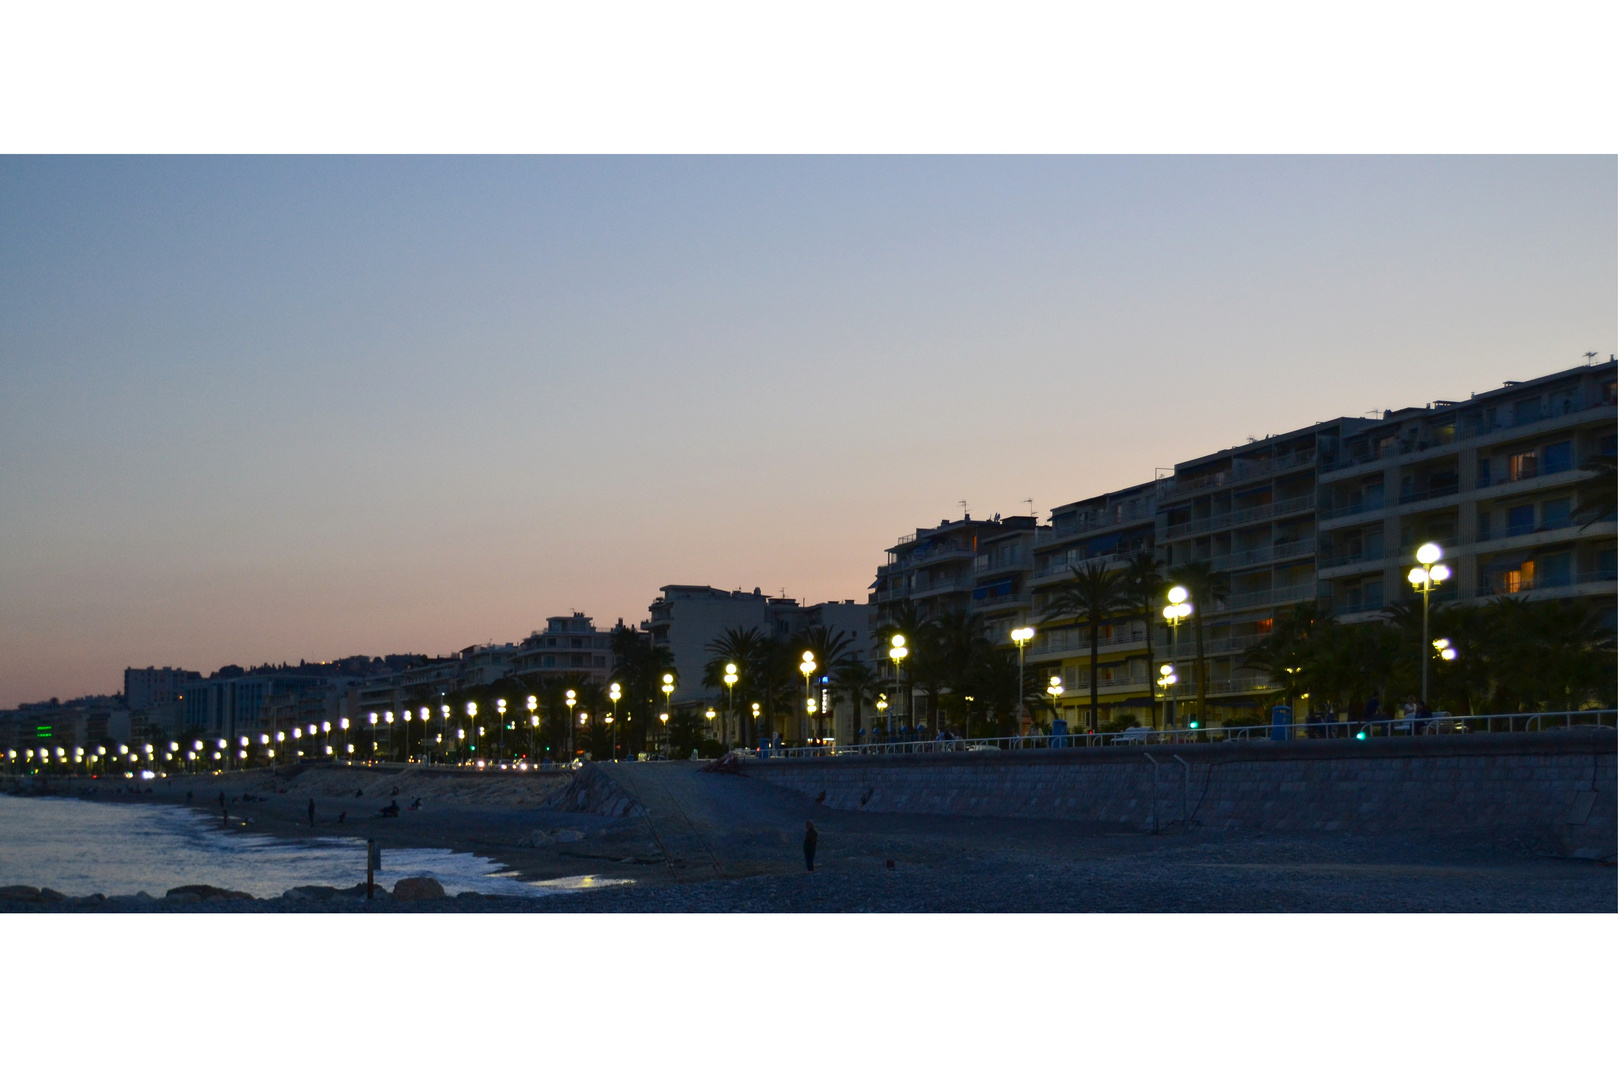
1553,790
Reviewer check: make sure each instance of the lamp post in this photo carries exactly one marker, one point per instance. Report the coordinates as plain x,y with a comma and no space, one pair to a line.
472,714
533,704
897,653
882,706
808,667
755,706
730,679
1424,577
1021,636
613,743
669,688
708,714
1054,686
1177,610
569,696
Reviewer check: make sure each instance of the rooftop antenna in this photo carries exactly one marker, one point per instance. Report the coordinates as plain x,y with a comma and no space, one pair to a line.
1029,503
963,504
1590,356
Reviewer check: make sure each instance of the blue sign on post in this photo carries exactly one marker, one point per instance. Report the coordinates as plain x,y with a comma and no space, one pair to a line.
1060,732
1282,718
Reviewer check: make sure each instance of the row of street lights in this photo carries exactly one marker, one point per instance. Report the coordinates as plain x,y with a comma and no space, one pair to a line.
1425,577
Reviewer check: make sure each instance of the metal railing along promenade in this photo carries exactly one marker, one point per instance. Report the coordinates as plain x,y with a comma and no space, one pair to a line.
1497,723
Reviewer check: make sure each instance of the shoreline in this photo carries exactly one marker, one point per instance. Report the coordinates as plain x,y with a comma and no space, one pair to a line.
497,816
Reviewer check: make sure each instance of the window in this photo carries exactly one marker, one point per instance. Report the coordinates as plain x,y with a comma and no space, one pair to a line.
1523,466
1484,472
1521,519
1527,411
1556,458
1555,513
1555,570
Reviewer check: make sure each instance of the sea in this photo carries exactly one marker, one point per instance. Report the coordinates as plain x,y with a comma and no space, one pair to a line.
79,847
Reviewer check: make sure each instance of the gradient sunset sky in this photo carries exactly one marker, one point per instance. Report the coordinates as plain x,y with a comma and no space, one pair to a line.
269,409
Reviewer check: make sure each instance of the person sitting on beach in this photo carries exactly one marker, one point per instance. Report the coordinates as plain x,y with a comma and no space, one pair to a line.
359,792
391,810
416,804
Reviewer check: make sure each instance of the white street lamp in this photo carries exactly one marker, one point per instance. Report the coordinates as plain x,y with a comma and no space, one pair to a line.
1424,578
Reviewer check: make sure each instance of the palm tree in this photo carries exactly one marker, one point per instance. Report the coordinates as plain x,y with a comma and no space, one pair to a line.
960,645
1094,594
858,684
1144,586
639,665
745,648
1283,655
830,647
919,632
1207,589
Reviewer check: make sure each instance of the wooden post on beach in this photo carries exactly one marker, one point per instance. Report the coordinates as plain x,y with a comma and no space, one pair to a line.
371,866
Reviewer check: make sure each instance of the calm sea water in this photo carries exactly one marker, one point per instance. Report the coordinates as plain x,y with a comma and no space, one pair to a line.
78,848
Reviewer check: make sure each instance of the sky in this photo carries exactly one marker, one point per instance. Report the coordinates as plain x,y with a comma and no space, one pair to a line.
271,409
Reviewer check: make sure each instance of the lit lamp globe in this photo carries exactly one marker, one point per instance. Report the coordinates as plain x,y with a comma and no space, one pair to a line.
1429,554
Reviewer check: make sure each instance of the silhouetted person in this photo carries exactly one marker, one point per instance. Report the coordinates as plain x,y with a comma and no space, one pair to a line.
809,845
312,813
343,816
222,800
188,798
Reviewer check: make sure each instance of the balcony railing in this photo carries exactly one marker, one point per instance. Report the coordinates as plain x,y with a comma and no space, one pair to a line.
1432,493
1279,508
1265,554
959,581
1292,594
1240,472
1348,509
1545,582
1004,600
1372,555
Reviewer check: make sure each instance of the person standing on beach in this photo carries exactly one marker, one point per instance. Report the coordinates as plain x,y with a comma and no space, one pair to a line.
809,845
312,813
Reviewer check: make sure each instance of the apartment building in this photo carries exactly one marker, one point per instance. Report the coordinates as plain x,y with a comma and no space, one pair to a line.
151,686
1112,527
686,618
571,646
959,565
1330,513
1491,480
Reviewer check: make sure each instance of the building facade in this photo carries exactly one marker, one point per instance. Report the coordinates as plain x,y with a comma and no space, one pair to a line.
1331,513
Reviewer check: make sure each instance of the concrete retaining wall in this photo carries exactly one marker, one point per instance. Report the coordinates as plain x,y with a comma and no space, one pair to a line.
1553,787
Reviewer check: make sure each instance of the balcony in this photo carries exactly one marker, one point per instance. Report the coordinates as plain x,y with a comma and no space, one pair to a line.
1071,639
1292,594
1441,492
1546,583
1281,508
1370,555
1273,553
990,603
924,557
1240,472
1186,647
1350,509
942,585
1098,522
